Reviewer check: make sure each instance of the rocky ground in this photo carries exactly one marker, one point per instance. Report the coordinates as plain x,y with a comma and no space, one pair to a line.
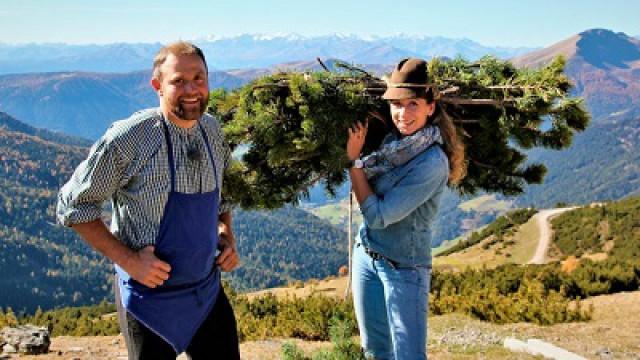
612,334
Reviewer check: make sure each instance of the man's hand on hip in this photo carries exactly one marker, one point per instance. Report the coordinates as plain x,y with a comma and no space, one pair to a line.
228,258
147,269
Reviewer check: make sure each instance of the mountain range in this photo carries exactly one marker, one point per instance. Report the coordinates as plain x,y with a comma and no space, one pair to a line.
82,103
604,67
241,51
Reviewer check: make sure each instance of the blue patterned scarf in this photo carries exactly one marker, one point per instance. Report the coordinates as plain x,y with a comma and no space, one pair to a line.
398,152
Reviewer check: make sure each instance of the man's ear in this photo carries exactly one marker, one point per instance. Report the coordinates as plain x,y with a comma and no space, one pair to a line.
155,83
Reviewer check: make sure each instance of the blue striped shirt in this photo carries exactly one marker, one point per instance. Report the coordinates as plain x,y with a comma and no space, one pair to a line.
128,165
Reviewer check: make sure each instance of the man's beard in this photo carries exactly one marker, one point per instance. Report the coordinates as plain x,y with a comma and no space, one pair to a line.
191,113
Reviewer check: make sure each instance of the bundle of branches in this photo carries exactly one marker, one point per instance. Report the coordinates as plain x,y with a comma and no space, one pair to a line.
291,128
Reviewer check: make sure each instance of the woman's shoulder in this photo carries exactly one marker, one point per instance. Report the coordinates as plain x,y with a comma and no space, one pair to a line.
433,157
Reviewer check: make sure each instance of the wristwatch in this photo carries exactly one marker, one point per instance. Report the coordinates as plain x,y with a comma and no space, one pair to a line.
357,164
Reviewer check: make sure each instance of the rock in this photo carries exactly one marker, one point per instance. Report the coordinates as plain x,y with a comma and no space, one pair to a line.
468,336
9,349
26,339
540,348
604,353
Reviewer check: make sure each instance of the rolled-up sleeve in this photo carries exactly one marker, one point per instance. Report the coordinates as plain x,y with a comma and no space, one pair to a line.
80,200
419,185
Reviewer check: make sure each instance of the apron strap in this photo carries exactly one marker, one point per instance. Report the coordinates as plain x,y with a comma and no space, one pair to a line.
213,163
170,155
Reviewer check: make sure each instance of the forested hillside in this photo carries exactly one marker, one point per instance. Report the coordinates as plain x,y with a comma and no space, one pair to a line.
611,229
44,264
48,265
284,245
602,164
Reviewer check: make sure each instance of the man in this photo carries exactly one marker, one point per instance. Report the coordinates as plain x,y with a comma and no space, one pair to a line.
162,170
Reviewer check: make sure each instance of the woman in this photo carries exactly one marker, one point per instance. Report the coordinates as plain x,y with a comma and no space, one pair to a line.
398,188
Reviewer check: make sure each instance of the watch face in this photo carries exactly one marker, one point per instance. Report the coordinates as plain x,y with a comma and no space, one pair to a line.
359,164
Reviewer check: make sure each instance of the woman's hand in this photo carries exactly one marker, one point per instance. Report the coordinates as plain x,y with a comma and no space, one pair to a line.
357,135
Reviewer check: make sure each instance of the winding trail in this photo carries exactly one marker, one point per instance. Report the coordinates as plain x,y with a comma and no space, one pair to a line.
542,220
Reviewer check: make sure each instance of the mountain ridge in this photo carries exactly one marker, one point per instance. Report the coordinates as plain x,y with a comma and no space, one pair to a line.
245,50
604,66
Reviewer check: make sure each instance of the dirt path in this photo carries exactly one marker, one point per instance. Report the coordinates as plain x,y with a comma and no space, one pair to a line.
542,219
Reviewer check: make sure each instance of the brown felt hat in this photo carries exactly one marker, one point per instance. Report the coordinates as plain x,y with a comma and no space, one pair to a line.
408,80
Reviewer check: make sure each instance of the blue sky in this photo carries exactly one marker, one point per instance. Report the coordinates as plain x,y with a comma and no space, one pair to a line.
490,22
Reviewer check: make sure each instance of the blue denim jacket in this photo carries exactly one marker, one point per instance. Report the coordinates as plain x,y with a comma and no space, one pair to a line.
398,216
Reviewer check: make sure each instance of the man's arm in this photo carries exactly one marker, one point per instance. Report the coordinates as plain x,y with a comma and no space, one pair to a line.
143,266
228,258
80,207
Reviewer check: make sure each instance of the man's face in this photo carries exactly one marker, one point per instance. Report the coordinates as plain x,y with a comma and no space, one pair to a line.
183,87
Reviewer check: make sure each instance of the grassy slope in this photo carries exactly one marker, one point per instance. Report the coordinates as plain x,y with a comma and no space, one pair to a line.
524,245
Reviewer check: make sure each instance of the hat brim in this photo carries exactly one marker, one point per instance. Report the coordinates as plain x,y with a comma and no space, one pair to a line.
400,93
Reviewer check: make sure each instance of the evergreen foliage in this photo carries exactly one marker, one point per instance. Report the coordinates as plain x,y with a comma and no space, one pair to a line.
283,245
295,125
73,321
40,258
307,318
612,228
510,293
344,347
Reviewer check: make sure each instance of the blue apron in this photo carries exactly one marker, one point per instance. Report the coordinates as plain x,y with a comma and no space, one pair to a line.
187,240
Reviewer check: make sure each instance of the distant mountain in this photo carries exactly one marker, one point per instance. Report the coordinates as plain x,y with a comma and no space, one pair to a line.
48,265
604,66
242,51
429,47
314,65
84,104
117,57
81,104
8,123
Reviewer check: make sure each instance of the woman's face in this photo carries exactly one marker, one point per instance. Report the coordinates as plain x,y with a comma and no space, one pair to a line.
410,115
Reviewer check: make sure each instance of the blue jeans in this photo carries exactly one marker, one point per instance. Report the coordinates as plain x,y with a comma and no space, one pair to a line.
391,306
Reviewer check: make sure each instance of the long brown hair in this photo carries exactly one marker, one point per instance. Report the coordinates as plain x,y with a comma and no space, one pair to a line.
453,144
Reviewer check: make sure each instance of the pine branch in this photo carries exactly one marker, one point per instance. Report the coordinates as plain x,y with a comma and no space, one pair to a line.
295,124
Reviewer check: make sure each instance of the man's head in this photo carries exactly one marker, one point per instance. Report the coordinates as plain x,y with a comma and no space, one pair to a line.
181,80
